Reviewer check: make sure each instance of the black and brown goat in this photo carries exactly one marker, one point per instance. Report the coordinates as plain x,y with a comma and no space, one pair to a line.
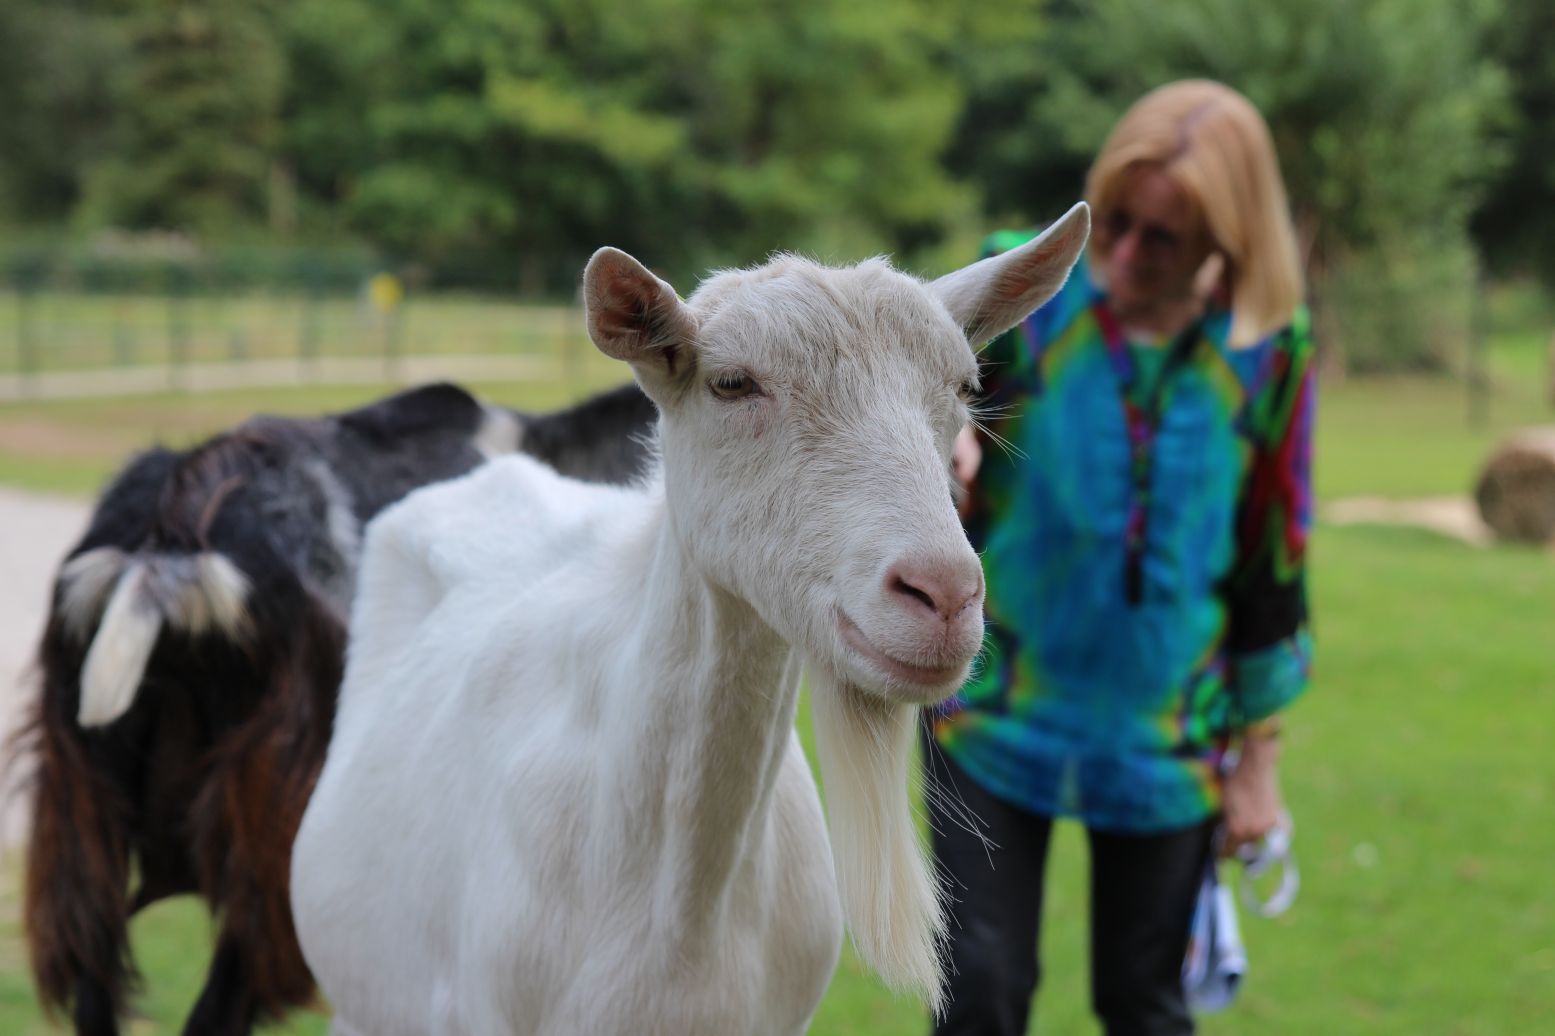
190,664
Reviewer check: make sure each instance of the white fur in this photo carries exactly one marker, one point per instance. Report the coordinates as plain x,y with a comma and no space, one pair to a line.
215,600
84,584
198,594
500,433
119,653
339,583
983,294
564,794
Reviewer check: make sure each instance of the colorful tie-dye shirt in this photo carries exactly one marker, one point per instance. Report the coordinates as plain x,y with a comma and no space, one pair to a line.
1146,591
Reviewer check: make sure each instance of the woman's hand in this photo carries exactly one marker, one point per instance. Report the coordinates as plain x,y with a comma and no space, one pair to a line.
1252,792
965,457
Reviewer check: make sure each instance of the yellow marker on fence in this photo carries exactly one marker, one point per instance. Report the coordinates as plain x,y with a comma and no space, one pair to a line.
385,291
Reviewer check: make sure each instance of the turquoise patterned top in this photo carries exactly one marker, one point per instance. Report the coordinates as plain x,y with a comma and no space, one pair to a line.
1143,538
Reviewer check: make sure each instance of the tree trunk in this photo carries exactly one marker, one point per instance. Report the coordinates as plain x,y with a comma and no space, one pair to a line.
1549,372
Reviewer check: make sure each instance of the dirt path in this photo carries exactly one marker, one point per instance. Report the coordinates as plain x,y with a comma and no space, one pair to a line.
1454,516
35,533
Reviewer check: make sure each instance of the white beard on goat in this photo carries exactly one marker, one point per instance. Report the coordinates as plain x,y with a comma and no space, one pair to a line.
564,792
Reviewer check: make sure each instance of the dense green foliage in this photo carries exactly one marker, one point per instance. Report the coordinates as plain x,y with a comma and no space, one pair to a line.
494,144
1381,111
1516,222
480,132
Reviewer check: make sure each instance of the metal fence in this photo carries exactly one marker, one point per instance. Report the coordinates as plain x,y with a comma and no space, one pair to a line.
73,324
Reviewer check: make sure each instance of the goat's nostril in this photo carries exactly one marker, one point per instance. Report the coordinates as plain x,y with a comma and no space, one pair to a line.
945,592
902,586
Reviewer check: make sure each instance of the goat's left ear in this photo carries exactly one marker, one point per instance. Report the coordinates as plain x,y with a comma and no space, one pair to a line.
634,316
993,295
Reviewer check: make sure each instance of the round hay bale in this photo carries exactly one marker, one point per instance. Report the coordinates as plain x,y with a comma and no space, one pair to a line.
1516,491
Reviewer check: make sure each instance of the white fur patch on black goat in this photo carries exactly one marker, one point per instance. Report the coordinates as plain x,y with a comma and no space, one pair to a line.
198,594
84,584
335,576
499,433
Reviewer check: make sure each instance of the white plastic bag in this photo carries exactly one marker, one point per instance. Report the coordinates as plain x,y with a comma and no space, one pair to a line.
1216,961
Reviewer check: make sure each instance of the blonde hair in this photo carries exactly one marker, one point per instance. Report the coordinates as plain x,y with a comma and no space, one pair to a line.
1214,144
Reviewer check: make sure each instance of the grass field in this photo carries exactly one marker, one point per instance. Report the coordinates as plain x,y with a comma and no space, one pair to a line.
1413,436
1420,769
1420,774
57,331
1403,436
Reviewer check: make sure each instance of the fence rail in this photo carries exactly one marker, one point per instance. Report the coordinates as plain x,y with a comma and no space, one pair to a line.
58,343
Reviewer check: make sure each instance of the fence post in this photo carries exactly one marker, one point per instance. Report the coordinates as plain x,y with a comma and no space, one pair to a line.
26,340
1478,378
386,305
29,276
308,337
178,327
572,354
1549,372
123,342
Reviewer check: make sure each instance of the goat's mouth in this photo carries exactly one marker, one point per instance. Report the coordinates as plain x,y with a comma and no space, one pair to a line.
896,668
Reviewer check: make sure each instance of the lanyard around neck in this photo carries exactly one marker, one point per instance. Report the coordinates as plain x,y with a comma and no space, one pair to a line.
1144,421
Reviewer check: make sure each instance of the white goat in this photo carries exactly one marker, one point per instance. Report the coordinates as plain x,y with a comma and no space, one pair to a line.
564,794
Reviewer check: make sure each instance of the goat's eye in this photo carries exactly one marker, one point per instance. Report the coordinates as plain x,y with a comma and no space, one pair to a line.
733,385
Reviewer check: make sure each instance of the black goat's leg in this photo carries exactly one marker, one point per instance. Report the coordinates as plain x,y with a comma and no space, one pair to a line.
94,1014
74,911
246,819
226,1004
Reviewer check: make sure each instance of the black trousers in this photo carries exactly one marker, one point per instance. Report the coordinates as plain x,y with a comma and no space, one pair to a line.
1142,895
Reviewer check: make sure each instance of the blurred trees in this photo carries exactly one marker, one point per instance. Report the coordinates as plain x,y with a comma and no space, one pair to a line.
1381,111
58,63
197,105
696,131
138,113
497,143
1515,224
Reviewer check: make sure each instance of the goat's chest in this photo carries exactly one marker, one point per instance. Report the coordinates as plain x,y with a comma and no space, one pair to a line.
622,939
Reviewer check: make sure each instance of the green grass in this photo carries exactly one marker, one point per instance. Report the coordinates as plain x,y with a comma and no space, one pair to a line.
1413,435
1419,772
73,446
1418,769
55,331
1399,436
172,944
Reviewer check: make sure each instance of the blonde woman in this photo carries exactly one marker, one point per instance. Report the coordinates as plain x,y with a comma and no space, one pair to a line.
1143,539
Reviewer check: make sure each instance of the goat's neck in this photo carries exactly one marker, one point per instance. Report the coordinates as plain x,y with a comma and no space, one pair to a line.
713,725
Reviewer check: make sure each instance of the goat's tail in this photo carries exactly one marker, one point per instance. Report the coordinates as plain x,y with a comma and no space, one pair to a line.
892,903
128,599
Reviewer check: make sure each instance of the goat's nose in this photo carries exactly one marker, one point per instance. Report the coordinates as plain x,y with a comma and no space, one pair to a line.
945,589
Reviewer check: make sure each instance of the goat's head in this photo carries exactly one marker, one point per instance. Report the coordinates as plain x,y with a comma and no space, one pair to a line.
807,420
808,415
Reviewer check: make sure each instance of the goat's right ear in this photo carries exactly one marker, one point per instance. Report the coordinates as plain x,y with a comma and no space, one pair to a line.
634,316
992,296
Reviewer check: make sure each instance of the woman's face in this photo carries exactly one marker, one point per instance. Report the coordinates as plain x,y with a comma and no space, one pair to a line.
1154,241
